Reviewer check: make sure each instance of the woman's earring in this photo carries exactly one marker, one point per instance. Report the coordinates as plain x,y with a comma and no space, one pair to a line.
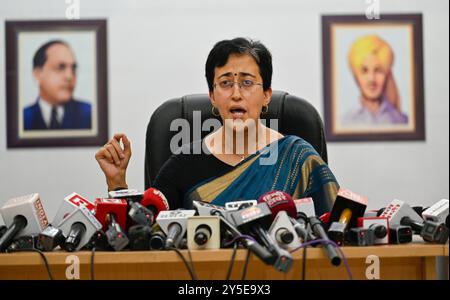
265,110
213,111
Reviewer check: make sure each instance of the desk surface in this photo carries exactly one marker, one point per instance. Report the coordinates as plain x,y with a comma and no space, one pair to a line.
408,261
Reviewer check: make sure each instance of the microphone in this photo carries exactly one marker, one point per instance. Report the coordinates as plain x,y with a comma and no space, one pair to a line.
207,209
69,205
279,201
140,214
363,236
157,239
430,231
300,226
398,209
77,231
379,229
305,206
371,213
112,214
255,219
25,242
395,212
203,232
78,228
146,210
50,238
325,218
229,229
282,207
139,236
438,212
239,204
346,210
3,229
400,234
18,224
282,231
173,223
155,201
316,226
305,209
253,246
99,241
23,216
129,195
115,234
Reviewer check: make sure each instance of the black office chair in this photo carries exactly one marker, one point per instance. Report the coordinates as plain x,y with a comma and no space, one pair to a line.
295,117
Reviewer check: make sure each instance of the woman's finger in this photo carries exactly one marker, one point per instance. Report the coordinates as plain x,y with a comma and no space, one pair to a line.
112,151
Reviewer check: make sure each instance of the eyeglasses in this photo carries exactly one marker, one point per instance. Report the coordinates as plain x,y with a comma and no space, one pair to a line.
226,86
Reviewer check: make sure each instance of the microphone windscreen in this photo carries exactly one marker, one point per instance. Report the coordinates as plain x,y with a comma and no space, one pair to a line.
278,201
105,206
325,218
155,199
31,208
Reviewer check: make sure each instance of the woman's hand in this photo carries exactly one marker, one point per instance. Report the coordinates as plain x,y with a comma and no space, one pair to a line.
113,160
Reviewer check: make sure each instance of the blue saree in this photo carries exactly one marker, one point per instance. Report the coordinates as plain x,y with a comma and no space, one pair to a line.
296,169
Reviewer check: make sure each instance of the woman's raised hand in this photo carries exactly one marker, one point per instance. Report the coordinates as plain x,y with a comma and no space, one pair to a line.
113,160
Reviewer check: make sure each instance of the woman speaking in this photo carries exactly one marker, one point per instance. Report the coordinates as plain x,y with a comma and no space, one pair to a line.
241,160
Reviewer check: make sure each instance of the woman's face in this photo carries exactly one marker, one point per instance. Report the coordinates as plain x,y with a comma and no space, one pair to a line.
238,92
371,78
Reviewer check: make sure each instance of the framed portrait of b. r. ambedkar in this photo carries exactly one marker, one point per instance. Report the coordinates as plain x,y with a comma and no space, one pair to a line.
56,83
373,78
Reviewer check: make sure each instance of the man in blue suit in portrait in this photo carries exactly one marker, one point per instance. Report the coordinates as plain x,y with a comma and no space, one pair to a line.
54,68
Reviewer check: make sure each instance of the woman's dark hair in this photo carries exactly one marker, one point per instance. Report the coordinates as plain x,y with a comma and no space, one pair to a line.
221,51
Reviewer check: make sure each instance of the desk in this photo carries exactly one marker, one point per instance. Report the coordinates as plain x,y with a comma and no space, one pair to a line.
409,261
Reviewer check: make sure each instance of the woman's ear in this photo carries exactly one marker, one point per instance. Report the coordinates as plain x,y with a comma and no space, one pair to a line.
211,98
267,96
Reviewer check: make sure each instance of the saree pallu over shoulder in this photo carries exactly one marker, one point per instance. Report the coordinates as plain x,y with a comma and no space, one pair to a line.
289,164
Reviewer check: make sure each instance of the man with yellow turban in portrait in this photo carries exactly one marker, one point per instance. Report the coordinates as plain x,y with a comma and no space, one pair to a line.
371,60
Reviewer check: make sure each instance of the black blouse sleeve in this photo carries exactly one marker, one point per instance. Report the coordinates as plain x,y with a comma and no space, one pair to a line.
185,170
167,181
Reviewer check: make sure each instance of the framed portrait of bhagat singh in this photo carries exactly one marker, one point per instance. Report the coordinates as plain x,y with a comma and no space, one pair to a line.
373,77
56,83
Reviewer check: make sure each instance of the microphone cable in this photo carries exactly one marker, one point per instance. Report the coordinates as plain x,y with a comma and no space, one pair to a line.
233,257
188,267
323,242
92,263
244,270
235,241
191,262
308,230
304,263
47,265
